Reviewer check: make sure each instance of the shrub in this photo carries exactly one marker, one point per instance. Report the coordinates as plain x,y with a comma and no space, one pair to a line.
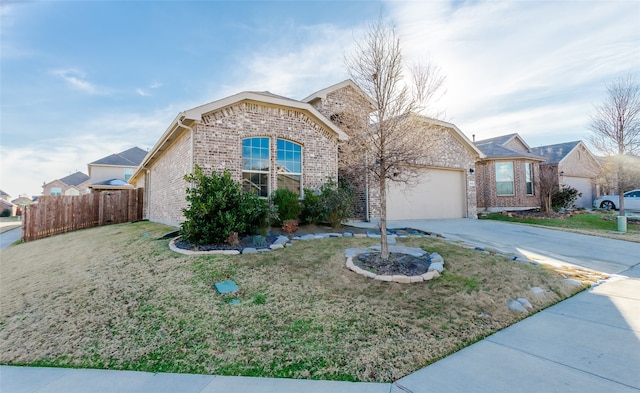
337,200
290,226
287,203
268,216
564,198
333,204
312,209
217,208
5,213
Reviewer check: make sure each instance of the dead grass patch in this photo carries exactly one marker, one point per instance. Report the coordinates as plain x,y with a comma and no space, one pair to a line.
116,297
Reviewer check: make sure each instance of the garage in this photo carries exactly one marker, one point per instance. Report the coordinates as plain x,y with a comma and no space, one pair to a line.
440,193
583,185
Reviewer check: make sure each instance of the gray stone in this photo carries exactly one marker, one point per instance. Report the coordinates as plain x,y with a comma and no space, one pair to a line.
537,291
352,252
249,250
525,303
373,235
435,258
439,267
573,283
276,246
516,306
307,237
347,234
334,234
281,240
321,236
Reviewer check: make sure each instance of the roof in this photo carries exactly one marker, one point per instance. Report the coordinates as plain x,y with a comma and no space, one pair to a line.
555,153
3,194
494,148
130,157
111,184
322,94
74,179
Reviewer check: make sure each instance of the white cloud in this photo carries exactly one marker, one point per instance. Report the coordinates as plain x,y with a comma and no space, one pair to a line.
75,78
142,92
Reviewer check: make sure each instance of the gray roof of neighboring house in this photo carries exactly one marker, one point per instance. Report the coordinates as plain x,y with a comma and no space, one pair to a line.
493,148
112,182
555,153
3,194
130,157
74,179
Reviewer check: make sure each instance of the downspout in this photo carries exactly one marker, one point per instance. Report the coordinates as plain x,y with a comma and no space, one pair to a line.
193,156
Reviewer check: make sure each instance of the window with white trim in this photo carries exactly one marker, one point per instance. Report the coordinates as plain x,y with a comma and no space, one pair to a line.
55,191
289,166
128,172
504,178
528,169
256,165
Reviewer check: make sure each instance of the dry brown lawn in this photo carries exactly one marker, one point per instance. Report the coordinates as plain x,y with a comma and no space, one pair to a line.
116,297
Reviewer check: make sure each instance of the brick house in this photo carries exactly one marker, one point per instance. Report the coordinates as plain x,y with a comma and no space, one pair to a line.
573,165
265,141
268,142
508,177
75,184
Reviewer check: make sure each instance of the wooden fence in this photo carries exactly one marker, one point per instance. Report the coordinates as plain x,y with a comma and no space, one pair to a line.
53,215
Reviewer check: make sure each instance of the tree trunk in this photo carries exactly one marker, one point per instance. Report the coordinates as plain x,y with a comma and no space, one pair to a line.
384,245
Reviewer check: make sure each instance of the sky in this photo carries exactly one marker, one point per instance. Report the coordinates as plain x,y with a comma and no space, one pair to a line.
80,80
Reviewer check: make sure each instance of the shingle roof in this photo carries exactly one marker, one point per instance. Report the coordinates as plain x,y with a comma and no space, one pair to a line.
493,148
75,179
555,153
130,157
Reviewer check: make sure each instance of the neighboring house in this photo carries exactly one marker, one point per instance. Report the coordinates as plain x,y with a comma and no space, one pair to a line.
607,183
6,204
74,184
268,142
573,165
114,171
507,178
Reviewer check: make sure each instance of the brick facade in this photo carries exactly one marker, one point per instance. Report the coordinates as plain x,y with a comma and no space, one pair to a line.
487,198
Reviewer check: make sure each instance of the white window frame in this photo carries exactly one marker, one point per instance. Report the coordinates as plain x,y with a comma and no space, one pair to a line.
498,167
280,166
255,171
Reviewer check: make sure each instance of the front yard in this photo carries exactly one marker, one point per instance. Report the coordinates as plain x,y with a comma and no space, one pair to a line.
116,297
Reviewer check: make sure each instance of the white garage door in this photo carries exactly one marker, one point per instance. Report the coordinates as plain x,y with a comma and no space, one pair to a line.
583,185
439,194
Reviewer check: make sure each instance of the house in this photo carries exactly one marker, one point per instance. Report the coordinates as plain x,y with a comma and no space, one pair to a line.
114,171
256,136
6,204
572,164
507,177
268,142
607,183
75,184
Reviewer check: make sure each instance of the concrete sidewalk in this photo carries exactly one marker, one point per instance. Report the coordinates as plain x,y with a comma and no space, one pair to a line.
588,343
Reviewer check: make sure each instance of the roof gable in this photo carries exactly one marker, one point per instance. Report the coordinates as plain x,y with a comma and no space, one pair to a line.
455,131
506,146
322,94
130,157
75,179
556,153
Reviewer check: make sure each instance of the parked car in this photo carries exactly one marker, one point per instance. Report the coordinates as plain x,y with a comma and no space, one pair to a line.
631,201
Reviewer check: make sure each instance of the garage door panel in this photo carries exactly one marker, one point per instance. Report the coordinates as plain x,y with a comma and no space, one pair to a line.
583,185
438,194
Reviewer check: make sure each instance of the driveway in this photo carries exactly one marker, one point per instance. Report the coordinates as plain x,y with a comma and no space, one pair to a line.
540,244
9,237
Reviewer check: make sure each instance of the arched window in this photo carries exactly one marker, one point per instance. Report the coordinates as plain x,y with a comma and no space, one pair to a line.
289,166
256,166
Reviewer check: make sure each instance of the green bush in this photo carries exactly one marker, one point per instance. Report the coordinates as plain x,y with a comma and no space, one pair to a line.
332,204
5,213
217,208
288,205
312,210
564,198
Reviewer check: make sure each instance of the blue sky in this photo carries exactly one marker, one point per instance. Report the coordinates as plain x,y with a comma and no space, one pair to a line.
80,80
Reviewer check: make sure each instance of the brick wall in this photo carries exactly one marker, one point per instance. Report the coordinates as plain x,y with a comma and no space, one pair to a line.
217,145
487,198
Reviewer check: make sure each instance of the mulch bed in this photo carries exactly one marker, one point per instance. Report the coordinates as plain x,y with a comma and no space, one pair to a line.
397,264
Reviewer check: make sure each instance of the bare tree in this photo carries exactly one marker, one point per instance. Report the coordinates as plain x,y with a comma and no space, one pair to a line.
391,147
549,185
615,126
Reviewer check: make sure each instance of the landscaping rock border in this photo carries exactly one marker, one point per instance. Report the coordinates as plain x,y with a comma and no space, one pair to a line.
435,268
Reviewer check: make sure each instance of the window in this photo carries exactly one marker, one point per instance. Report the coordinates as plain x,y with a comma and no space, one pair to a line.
55,191
528,167
255,166
504,178
289,166
128,172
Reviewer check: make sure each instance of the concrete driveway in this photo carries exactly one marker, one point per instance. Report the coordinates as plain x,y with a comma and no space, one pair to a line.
543,245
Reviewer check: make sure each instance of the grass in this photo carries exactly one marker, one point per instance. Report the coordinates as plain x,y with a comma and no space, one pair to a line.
597,224
116,297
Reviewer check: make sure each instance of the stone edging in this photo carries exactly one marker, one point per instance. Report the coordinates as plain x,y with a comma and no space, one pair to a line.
435,268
